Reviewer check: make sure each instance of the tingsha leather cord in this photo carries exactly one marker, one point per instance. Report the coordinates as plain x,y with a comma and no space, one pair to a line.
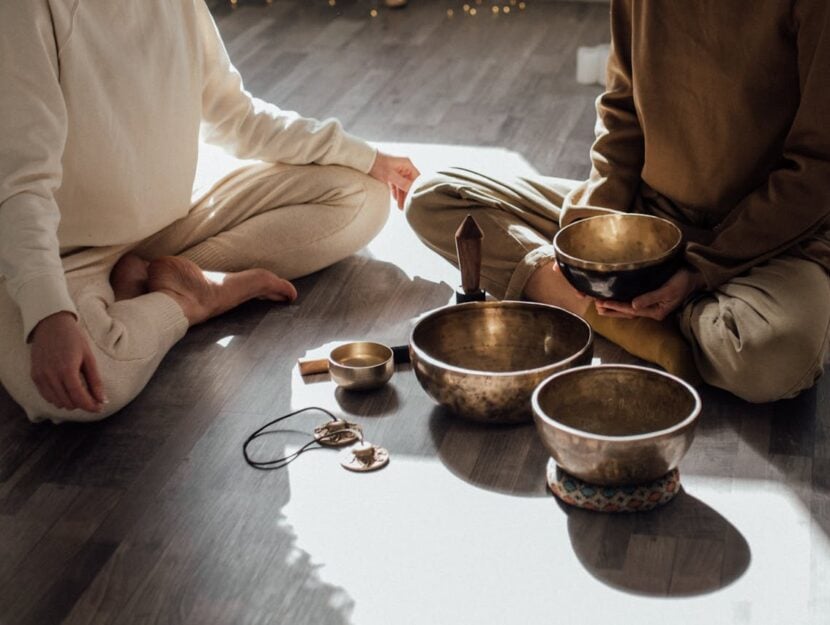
361,457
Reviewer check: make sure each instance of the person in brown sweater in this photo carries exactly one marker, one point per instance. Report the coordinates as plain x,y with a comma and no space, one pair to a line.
715,116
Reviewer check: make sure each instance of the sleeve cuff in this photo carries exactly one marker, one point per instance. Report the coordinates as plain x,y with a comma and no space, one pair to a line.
713,276
357,154
40,297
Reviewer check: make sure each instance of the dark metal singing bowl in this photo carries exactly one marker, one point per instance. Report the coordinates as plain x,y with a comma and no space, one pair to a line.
616,424
618,256
482,360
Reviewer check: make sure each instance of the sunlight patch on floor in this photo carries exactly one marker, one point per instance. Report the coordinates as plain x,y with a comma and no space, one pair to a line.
453,552
225,340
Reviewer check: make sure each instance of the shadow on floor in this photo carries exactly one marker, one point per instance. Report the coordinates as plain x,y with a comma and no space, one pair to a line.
682,549
507,459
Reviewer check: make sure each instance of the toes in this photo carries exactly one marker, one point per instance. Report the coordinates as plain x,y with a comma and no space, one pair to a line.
285,290
274,288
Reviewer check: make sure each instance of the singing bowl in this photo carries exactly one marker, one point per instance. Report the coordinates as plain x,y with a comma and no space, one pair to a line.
361,366
482,360
616,424
618,256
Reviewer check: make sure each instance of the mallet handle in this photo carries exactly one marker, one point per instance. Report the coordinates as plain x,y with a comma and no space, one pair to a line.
310,366
468,248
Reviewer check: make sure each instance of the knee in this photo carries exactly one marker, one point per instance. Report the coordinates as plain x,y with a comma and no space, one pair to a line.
376,204
426,197
772,364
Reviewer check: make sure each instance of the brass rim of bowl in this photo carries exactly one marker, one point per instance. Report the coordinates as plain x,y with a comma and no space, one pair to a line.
537,410
351,345
604,267
500,304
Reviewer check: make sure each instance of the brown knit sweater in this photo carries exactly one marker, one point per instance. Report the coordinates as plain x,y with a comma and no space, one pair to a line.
717,116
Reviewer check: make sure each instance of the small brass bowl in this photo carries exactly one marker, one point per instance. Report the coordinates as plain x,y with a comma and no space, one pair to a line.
482,360
361,366
618,256
616,424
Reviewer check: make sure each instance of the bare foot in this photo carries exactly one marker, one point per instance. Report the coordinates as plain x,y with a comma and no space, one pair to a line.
129,277
548,285
203,295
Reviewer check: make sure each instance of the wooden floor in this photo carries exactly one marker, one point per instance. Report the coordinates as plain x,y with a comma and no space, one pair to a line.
153,516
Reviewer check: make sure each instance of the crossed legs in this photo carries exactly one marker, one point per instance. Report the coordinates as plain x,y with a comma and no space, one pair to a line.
763,336
259,226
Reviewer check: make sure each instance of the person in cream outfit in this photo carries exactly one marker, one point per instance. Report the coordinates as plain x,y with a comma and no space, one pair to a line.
104,246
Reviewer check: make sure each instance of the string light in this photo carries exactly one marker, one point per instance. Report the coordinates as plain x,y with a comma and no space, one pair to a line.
496,7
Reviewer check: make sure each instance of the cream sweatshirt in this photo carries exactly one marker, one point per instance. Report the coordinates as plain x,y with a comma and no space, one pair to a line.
101,104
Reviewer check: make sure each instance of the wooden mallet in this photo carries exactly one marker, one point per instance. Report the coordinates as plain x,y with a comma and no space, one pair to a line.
468,248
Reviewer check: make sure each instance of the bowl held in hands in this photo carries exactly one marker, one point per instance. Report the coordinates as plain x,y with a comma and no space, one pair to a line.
619,256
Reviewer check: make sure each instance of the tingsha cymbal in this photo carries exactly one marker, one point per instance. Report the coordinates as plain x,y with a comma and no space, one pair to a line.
338,433
364,457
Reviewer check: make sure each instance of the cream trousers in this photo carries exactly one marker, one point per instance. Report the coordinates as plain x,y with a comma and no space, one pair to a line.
292,220
763,335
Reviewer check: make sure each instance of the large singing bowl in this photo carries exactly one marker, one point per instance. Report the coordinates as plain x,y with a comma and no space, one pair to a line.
616,424
618,256
482,360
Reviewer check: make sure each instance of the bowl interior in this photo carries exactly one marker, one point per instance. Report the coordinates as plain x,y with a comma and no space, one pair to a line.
616,401
623,239
501,336
360,355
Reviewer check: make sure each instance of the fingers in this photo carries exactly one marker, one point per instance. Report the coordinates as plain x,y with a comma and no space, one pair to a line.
612,306
647,300
63,367
89,368
398,180
409,170
67,390
610,312
79,394
398,172
615,314
615,309
53,393
399,196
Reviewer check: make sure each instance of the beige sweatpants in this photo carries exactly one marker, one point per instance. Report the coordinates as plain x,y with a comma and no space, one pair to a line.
292,220
763,335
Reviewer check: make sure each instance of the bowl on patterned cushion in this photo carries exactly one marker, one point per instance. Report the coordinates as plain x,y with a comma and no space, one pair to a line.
625,498
616,424
618,256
